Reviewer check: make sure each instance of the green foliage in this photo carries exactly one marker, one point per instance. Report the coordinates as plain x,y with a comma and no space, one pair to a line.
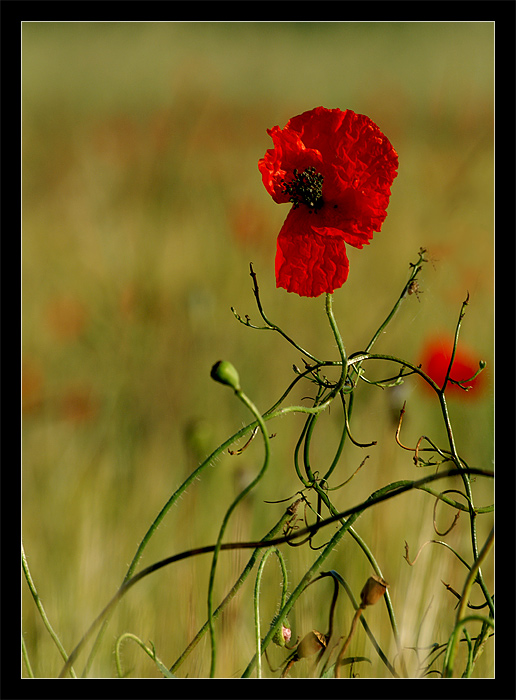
142,207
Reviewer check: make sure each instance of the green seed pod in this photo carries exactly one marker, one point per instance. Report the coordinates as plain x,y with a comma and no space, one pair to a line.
224,372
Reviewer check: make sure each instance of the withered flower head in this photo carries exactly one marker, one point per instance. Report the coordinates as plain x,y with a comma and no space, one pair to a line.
373,590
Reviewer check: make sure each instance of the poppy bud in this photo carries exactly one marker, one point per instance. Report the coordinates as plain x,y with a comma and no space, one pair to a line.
310,644
373,590
224,372
283,635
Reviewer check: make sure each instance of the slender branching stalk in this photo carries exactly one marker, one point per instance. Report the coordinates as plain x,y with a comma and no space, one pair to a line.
44,617
352,371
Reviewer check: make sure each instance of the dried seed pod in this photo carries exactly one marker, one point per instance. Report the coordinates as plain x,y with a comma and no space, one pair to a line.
373,590
310,644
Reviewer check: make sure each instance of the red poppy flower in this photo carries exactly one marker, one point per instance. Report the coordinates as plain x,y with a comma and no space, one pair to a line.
336,169
435,360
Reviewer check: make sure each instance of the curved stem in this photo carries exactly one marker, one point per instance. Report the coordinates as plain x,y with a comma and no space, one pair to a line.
361,543
300,588
460,618
234,590
272,550
342,440
356,606
390,610
270,326
416,268
340,344
386,493
272,412
250,405
150,652
43,614
346,644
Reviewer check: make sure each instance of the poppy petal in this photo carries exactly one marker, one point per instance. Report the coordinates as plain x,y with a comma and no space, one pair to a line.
307,262
336,168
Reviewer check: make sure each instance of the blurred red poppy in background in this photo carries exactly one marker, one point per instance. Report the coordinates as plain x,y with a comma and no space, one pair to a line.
435,360
336,169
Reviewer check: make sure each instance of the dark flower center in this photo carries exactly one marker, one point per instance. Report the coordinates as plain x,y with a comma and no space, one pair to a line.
305,188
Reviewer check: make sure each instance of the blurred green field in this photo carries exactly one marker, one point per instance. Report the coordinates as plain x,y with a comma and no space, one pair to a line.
142,208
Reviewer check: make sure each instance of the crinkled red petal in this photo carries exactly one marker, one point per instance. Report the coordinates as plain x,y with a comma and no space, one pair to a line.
309,262
347,148
279,162
358,165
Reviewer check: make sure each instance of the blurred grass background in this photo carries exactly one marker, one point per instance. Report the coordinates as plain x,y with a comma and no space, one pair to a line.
142,208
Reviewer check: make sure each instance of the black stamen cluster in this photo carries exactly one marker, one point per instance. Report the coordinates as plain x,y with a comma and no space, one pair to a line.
305,188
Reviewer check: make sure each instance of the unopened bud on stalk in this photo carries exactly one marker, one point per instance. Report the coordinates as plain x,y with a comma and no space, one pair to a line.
224,372
283,635
310,644
373,590
371,593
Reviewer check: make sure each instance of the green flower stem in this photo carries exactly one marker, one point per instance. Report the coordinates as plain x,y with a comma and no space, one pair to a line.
461,618
458,461
455,342
299,589
306,450
26,660
416,268
455,504
43,614
366,627
151,652
272,413
304,439
341,444
388,492
361,543
347,428
250,405
272,550
270,326
344,371
340,345
469,665
390,610
273,327
453,449
415,271
378,496
234,590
